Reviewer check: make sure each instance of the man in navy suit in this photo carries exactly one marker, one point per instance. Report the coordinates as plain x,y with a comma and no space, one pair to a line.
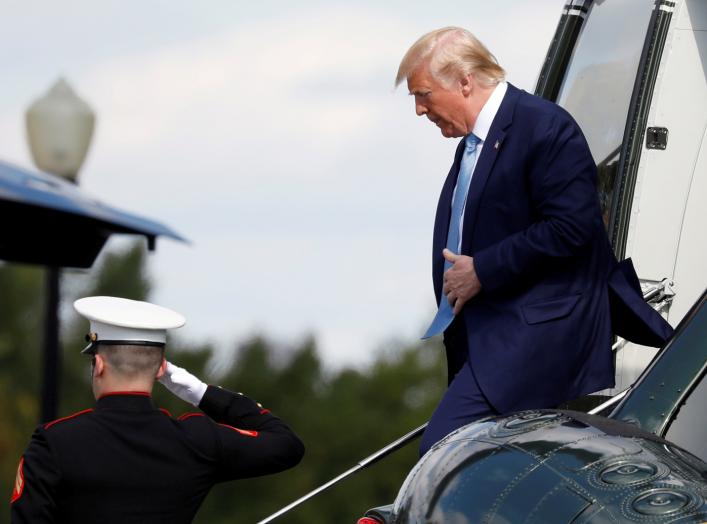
530,274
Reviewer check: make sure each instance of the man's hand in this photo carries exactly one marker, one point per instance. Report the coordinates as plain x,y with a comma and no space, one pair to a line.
460,280
183,384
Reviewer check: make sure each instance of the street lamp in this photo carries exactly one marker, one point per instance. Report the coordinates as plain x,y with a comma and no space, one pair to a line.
59,130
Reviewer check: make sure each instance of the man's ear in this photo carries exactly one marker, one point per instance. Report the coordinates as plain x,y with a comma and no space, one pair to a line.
99,366
161,370
466,84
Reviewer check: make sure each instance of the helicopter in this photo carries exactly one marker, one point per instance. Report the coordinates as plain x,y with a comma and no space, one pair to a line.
638,90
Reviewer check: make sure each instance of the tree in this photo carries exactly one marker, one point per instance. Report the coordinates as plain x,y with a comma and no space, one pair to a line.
20,320
342,417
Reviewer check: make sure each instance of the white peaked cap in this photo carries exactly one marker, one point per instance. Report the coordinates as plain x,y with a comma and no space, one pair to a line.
121,319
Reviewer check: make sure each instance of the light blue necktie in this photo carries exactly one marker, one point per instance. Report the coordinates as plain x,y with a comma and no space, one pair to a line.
445,313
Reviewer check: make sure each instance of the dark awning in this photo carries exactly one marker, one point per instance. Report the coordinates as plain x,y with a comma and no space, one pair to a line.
47,220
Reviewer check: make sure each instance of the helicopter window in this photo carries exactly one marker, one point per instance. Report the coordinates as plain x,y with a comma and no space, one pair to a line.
599,82
689,428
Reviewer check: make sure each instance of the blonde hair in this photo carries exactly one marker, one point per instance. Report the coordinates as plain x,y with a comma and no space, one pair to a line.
452,53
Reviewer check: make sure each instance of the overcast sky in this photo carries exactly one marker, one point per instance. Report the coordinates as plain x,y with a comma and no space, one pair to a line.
270,135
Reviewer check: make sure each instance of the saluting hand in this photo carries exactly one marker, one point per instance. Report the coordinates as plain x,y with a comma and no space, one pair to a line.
460,280
183,384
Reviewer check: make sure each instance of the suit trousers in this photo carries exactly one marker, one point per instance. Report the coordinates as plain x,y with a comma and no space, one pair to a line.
462,403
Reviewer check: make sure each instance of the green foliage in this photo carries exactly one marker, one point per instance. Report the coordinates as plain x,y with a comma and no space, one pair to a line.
20,319
341,415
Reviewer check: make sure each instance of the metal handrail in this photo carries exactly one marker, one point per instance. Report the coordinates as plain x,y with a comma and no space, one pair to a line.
371,459
663,292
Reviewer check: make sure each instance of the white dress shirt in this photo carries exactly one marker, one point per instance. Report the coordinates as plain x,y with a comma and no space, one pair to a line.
481,131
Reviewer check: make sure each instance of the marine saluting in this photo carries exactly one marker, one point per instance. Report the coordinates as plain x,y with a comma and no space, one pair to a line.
125,460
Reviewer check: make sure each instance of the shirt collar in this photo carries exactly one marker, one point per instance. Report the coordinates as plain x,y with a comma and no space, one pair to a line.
488,112
126,400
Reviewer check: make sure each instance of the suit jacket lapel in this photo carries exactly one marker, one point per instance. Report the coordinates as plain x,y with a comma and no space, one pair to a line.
493,146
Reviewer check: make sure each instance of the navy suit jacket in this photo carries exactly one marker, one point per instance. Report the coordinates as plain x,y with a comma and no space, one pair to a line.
540,331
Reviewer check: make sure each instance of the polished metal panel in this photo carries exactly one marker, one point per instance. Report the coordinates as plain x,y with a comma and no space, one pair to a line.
689,427
551,467
656,398
627,472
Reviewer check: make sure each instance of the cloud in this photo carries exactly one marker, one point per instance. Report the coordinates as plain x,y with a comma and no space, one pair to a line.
250,81
273,139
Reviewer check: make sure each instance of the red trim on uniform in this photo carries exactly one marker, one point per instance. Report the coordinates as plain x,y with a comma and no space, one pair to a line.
50,424
248,432
19,482
165,412
190,415
264,411
138,393
368,520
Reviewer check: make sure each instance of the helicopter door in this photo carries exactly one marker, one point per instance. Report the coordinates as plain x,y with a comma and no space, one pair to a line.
669,219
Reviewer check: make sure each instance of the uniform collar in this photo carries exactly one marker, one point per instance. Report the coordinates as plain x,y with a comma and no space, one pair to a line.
126,400
488,112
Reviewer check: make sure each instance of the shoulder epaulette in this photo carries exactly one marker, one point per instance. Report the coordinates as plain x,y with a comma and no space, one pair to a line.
50,424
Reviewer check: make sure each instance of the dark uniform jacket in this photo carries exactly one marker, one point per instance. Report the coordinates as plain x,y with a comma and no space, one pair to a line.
125,461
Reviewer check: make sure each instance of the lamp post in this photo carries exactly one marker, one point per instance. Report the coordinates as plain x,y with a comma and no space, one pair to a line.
59,130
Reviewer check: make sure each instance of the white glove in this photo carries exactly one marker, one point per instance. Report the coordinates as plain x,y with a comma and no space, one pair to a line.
183,384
